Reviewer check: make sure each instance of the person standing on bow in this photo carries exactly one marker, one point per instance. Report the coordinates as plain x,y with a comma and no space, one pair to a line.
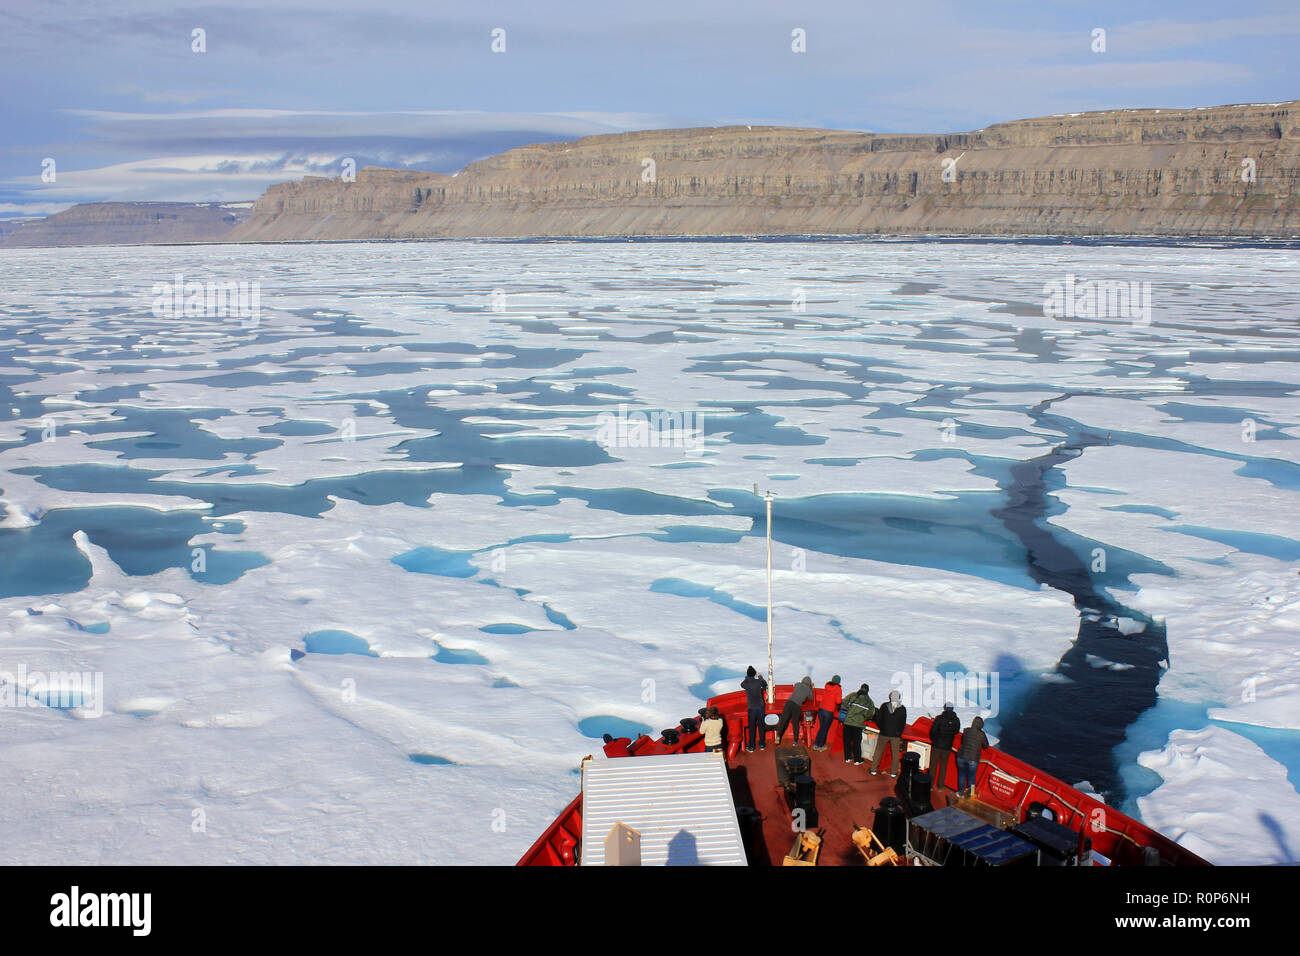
973,742
855,711
711,727
790,713
755,689
942,732
891,719
828,705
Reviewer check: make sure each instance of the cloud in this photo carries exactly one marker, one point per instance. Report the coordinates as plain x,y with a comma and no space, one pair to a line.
179,97
242,125
235,154
34,209
175,178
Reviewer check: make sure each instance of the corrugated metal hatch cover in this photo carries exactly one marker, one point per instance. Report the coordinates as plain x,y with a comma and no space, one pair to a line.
680,804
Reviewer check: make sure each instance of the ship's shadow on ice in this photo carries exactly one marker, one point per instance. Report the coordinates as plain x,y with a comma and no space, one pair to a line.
1275,829
1070,727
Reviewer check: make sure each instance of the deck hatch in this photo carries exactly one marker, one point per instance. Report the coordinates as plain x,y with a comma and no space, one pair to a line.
681,804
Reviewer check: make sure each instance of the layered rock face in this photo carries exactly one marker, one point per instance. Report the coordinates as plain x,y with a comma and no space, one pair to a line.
125,223
1230,170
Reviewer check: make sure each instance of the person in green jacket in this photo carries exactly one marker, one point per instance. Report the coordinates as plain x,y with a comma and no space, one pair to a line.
857,709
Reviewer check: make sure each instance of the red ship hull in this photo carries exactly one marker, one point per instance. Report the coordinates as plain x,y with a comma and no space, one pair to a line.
847,795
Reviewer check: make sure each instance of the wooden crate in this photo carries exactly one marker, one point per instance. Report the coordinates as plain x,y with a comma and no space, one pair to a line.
986,812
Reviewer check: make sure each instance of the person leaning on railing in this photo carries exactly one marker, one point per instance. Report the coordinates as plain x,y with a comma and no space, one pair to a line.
828,705
802,693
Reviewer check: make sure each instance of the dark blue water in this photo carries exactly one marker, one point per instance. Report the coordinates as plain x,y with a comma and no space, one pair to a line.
44,559
1071,729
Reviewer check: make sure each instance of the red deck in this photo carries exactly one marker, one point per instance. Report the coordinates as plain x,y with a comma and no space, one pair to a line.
848,795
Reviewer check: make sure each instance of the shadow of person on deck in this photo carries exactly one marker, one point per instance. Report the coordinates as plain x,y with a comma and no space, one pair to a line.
751,830
682,850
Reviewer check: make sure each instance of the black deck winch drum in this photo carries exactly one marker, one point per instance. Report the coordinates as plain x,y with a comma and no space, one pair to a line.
907,767
788,770
918,797
913,786
890,824
791,761
690,725
805,799
671,736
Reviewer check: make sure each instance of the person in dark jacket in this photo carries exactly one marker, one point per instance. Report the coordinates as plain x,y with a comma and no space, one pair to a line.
828,705
755,688
942,732
891,719
802,693
858,709
973,742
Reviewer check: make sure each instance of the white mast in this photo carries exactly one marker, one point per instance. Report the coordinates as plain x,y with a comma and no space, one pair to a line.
771,681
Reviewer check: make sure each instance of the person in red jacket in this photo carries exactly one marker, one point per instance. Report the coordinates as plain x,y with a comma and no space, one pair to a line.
828,705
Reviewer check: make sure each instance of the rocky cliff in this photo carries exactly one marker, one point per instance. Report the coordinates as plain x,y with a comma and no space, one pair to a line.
124,223
1229,170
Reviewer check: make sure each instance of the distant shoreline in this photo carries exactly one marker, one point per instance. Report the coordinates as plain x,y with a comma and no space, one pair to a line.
1204,173
1172,241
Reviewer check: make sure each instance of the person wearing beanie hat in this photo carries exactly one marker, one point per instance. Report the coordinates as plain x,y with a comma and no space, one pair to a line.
891,719
943,731
755,688
855,711
828,705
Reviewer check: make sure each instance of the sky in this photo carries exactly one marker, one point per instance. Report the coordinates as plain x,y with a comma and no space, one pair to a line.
114,100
